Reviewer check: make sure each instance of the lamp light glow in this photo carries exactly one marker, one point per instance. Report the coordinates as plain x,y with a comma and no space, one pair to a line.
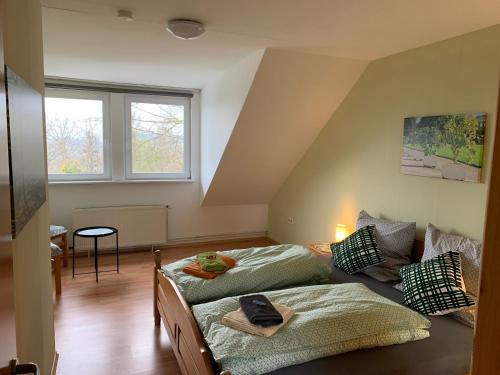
340,232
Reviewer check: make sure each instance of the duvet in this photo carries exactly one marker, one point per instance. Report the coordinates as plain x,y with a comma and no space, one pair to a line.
257,269
329,319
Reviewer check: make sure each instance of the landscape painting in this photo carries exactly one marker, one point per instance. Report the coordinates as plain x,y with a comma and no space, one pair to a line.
448,146
26,148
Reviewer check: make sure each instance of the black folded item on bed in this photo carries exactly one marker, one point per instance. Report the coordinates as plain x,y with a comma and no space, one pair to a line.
260,311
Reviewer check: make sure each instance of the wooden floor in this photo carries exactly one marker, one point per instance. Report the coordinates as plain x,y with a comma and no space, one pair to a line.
107,328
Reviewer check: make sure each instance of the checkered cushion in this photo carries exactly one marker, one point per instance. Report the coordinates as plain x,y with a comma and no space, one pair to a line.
438,242
357,252
435,286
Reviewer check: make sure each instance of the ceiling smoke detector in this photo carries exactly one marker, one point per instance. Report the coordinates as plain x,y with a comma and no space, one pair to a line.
185,28
125,15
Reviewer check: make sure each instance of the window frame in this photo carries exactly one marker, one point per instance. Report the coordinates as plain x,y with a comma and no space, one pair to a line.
106,134
157,99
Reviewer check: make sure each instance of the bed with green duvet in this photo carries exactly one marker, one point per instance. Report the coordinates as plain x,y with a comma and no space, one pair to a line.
257,269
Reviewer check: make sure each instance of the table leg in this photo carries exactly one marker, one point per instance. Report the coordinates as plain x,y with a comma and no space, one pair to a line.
57,273
64,240
96,261
74,246
117,255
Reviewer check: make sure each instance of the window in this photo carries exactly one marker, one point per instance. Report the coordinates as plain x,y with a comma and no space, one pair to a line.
77,131
96,133
157,137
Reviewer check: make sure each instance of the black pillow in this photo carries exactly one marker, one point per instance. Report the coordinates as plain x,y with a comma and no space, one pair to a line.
435,286
357,252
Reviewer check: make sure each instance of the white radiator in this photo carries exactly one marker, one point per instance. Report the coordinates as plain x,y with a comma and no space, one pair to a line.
137,225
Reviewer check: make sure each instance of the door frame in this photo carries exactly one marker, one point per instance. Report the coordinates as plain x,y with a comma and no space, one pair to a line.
486,353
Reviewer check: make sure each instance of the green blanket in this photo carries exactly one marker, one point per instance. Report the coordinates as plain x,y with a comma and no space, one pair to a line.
329,319
257,269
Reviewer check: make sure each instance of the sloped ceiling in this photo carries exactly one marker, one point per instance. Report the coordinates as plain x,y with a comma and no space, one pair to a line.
292,97
256,122
360,29
222,101
84,39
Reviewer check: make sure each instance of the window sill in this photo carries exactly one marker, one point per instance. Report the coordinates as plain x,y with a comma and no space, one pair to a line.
106,182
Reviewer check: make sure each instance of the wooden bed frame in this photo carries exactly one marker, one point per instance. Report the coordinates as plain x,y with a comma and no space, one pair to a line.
192,355
170,307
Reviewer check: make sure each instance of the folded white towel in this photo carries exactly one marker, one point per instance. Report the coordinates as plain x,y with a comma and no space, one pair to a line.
238,320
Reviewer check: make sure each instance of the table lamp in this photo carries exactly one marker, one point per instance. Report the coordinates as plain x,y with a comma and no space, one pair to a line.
340,232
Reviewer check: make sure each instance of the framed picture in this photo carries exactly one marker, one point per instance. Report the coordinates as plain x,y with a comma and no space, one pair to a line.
448,146
26,150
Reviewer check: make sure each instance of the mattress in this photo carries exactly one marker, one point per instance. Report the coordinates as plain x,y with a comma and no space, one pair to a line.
446,352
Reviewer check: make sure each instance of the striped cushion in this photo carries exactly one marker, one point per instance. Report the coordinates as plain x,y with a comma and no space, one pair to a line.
435,286
394,240
357,252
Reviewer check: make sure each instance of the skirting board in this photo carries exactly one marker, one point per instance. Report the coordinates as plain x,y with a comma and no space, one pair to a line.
184,241
213,238
53,371
273,241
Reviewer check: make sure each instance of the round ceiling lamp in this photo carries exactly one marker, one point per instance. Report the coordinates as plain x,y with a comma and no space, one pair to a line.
125,15
185,28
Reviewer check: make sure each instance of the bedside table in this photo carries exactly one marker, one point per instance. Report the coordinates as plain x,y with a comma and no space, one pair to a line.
320,248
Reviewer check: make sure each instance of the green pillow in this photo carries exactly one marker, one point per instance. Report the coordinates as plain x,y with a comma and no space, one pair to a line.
357,252
435,286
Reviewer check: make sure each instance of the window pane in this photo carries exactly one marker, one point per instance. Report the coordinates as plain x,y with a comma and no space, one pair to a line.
74,136
157,132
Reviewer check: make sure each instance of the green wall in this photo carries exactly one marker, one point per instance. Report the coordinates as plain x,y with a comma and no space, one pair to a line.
354,162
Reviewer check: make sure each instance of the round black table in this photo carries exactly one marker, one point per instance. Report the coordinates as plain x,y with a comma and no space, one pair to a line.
95,233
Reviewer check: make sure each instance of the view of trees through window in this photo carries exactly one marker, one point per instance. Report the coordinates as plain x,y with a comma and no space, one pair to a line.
151,133
157,138
74,136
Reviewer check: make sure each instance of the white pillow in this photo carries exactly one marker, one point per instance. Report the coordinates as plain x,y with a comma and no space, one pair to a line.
438,242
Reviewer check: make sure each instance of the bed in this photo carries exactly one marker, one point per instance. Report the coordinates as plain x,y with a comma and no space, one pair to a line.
446,351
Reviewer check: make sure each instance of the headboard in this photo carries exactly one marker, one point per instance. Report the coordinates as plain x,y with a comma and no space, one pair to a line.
418,251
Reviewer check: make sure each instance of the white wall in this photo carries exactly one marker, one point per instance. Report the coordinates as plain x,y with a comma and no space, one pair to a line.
32,273
187,219
222,101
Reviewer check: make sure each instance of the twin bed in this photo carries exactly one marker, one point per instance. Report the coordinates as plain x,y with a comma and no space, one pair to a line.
366,316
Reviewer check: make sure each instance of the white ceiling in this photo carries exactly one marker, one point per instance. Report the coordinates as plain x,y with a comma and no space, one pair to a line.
104,48
84,39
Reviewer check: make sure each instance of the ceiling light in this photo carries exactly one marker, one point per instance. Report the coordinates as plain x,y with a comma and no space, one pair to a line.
185,29
125,15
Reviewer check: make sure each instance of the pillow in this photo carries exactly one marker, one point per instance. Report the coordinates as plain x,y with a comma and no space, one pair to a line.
395,240
357,252
435,286
438,242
